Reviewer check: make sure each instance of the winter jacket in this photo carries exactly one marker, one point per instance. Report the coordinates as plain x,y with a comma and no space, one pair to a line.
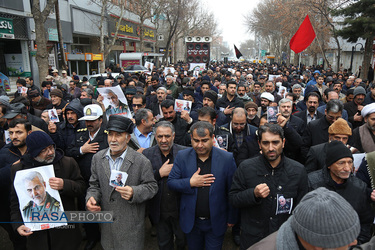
258,216
354,191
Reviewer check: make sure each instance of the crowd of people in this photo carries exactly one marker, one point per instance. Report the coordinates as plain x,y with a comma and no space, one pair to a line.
266,150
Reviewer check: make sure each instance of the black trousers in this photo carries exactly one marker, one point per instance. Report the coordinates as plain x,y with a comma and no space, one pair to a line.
167,230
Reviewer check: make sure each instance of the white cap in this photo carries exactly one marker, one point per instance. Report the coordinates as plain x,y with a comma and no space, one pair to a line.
63,72
91,112
267,96
368,109
55,71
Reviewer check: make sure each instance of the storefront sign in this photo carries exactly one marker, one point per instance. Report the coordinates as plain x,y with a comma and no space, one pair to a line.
6,28
129,29
52,35
97,57
14,64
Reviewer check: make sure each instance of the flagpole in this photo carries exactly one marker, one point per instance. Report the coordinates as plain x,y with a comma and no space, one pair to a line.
320,46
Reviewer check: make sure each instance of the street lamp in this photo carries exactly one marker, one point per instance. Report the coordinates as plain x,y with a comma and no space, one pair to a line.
353,50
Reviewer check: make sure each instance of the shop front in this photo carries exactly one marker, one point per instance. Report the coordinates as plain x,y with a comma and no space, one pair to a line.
84,64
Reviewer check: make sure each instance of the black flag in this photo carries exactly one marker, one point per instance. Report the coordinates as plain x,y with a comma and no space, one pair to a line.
238,53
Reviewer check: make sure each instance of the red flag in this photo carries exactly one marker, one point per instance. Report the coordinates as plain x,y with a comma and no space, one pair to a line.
238,53
303,37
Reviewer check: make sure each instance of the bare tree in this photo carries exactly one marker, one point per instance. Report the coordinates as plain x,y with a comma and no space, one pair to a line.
106,42
173,12
59,33
40,17
146,10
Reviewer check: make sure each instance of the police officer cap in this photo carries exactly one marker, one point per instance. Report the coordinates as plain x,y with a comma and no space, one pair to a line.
120,124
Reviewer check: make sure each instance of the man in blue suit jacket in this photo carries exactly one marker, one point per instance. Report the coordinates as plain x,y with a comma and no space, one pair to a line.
203,175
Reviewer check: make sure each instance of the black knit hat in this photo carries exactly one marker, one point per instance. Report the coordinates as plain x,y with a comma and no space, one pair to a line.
188,91
336,150
211,95
37,141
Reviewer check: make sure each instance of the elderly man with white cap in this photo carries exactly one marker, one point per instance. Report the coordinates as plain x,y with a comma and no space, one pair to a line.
65,79
364,136
265,100
322,220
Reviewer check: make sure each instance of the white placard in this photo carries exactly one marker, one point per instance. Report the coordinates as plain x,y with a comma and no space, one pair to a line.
37,200
149,65
180,105
115,101
53,116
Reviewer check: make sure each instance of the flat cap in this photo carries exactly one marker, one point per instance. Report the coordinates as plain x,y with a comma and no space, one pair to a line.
120,124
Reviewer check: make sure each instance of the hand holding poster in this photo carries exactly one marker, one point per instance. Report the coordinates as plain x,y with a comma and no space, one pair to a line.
180,105
118,178
53,117
38,202
115,101
196,68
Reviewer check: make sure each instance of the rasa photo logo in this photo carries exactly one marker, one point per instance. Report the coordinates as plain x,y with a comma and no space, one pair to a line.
71,217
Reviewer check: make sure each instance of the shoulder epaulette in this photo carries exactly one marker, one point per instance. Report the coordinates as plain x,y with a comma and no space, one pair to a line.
224,128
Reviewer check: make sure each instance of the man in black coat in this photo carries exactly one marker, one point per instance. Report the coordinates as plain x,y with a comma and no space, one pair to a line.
259,182
311,113
337,176
164,207
355,107
64,133
339,131
285,109
316,131
68,181
19,129
230,101
181,122
19,110
208,114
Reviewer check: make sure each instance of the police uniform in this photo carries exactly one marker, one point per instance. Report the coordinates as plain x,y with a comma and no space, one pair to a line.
84,160
49,206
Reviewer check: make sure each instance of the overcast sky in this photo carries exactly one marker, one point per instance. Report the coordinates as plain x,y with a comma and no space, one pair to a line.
229,15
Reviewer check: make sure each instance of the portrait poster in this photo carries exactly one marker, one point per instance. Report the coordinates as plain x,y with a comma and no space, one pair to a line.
149,65
53,117
7,137
284,205
118,178
38,202
168,70
222,141
115,102
272,114
282,91
180,105
22,90
272,77
357,160
196,68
